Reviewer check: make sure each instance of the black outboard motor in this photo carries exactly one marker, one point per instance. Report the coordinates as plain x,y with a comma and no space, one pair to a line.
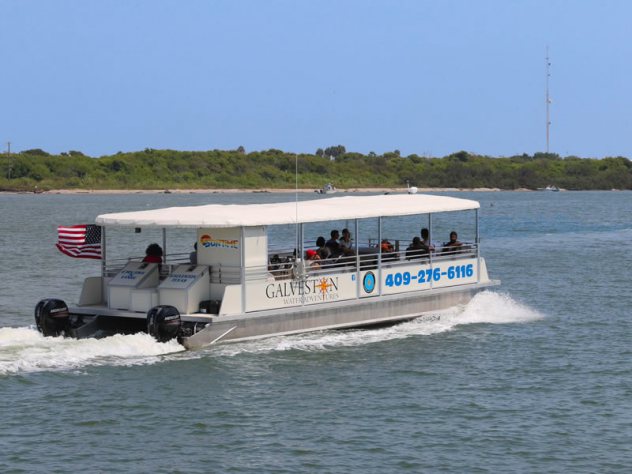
163,323
52,317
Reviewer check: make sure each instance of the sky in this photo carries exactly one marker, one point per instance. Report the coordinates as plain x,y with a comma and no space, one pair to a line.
419,76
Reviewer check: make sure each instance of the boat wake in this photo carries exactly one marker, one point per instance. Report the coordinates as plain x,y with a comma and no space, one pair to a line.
485,308
25,350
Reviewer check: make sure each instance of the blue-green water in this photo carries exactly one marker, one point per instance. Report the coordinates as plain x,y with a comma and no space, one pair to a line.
533,377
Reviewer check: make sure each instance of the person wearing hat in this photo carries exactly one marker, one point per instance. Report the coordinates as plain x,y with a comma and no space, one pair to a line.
313,259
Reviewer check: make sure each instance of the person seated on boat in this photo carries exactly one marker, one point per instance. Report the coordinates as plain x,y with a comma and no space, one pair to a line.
347,252
416,250
345,243
387,250
386,246
323,251
333,245
425,241
453,245
312,259
193,255
153,254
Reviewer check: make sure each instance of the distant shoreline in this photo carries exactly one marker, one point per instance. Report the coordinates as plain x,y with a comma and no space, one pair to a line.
260,190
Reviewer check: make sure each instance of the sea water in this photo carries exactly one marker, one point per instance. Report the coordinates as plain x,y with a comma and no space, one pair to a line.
533,376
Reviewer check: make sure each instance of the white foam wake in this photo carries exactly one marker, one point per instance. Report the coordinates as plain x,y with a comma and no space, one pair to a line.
485,308
26,350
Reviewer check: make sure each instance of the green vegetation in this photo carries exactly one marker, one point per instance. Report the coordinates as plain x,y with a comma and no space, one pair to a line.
169,169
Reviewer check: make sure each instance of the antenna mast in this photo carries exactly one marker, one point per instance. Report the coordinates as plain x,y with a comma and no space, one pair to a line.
548,99
298,255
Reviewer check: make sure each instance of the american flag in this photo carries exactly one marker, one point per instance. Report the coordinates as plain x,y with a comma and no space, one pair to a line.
80,241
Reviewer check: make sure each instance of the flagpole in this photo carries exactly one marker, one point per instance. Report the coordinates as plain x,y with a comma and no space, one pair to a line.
103,265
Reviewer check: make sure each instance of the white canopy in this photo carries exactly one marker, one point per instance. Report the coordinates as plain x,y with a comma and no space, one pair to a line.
315,210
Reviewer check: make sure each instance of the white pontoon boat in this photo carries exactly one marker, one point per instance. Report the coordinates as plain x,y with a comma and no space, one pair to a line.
242,287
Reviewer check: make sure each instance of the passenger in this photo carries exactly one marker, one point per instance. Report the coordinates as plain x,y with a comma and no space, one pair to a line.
333,245
416,249
386,246
347,252
345,243
193,255
312,258
388,251
425,241
153,254
452,246
323,251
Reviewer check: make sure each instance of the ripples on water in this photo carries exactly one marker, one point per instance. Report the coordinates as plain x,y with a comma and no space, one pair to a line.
533,377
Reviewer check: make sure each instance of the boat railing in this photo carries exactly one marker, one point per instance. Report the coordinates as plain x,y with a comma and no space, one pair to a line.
113,266
282,265
278,268
369,258
226,274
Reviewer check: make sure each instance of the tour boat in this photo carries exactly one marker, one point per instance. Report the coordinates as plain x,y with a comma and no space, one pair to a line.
244,283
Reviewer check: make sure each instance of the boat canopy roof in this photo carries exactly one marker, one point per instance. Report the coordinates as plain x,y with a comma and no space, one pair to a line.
314,210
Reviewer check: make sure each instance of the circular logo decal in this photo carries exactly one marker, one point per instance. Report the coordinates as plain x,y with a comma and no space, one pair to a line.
369,282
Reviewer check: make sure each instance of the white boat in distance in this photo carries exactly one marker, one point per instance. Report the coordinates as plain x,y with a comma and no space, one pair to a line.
327,189
550,187
242,287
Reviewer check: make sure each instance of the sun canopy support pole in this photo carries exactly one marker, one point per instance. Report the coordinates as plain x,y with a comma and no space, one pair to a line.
356,230
379,253
478,250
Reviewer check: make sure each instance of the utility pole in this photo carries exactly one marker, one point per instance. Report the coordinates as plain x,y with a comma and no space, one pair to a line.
548,100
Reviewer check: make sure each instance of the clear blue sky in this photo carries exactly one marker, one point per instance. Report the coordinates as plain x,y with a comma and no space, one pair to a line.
426,77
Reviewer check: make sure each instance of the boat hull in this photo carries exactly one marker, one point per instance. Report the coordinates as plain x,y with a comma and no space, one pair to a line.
349,314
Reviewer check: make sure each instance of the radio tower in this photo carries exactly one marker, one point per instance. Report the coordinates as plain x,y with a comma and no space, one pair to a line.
548,99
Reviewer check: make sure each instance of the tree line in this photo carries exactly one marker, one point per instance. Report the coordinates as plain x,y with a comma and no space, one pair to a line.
171,169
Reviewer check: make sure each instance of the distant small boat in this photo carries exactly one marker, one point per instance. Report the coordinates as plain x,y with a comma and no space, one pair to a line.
326,189
550,187
411,189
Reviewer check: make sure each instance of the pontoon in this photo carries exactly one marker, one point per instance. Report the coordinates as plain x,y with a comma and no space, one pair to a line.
241,286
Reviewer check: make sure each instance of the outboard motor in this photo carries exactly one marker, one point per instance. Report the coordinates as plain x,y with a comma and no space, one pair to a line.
163,323
52,317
